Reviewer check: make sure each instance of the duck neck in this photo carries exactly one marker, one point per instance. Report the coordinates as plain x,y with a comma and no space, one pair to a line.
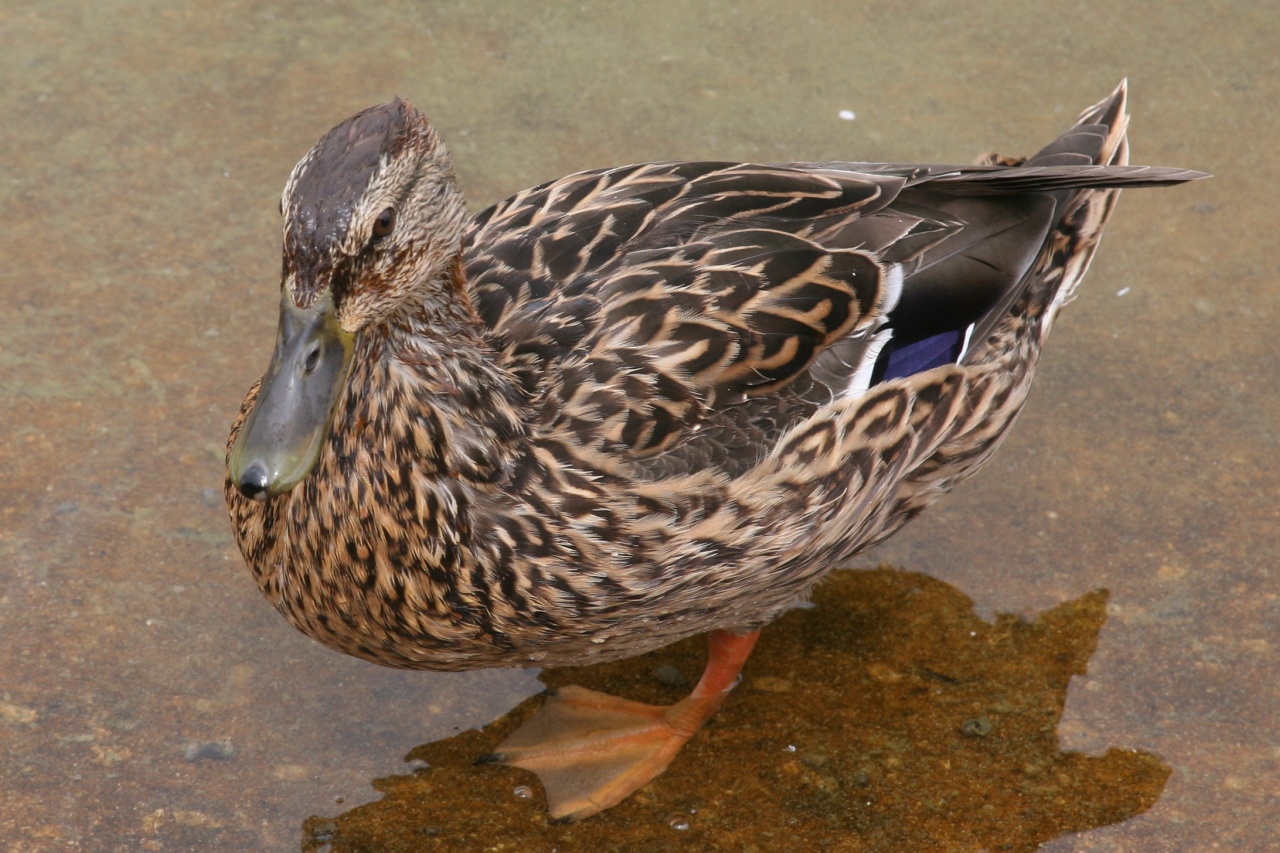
430,389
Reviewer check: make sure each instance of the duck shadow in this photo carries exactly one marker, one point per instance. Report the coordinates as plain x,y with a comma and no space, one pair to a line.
886,717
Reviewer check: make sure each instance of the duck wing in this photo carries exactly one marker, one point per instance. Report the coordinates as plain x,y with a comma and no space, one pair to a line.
642,303
639,301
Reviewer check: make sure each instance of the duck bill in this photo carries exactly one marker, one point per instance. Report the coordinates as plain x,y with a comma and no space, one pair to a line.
281,439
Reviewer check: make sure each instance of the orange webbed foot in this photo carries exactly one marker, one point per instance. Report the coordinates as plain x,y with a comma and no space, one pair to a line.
591,750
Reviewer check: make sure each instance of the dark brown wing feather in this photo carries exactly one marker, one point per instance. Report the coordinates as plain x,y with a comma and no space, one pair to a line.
672,290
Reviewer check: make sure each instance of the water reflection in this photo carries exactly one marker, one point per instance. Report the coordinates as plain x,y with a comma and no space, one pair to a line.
887,717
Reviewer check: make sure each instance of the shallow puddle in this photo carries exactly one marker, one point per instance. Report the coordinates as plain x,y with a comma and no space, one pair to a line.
886,717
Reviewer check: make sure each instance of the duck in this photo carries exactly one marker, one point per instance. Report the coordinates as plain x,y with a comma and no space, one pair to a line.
634,404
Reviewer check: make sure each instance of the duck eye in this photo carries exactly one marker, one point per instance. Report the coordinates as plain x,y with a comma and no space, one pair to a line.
383,224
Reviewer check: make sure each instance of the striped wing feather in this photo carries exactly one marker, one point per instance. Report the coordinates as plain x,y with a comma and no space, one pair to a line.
657,295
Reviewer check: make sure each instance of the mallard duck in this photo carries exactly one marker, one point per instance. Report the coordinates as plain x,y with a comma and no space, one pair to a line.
633,404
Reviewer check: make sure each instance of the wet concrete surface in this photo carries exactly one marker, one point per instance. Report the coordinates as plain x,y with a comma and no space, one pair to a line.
149,700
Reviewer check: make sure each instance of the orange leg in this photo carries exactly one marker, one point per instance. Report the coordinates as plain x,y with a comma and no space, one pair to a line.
592,750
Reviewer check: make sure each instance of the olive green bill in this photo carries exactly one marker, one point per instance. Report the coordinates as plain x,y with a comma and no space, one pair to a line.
281,439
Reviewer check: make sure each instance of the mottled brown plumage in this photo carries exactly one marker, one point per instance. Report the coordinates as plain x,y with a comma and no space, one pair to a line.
640,403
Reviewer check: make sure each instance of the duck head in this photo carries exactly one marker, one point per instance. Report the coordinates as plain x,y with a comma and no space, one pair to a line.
373,225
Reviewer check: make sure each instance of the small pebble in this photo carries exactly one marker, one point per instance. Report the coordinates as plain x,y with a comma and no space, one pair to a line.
322,829
977,727
216,750
669,676
861,779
